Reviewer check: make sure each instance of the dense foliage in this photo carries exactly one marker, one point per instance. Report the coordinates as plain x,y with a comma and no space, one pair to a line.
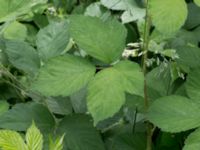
99,74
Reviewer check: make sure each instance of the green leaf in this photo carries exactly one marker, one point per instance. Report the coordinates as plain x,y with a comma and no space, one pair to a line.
132,11
59,105
106,43
127,141
57,144
162,88
97,10
16,31
11,9
193,85
193,19
23,56
133,78
34,138
188,56
80,133
20,117
174,114
11,140
197,2
78,101
168,16
105,89
4,106
64,75
53,39
192,142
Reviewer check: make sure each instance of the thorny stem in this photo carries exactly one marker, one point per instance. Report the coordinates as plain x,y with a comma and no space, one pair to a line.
144,66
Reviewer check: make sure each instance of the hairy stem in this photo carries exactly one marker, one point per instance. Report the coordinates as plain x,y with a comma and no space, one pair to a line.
144,66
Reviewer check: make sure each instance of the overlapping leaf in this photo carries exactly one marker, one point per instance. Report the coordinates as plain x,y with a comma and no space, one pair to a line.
80,133
63,75
132,11
192,142
53,39
11,9
16,31
109,87
103,40
193,85
105,94
174,114
20,117
132,76
23,56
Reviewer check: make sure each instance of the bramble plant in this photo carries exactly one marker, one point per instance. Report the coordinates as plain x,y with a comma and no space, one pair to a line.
107,74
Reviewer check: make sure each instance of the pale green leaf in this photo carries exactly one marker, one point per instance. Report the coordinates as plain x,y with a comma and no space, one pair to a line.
193,141
133,78
104,91
11,140
57,144
168,15
174,114
80,133
16,31
53,39
197,2
11,9
193,85
23,56
34,138
64,75
106,43
20,117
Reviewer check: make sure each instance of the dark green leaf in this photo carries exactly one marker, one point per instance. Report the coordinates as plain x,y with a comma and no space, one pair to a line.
80,133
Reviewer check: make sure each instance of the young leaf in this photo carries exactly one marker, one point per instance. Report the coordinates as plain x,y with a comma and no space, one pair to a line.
11,9
169,15
11,140
34,138
197,2
23,56
174,114
80,133
20,117
105,94
103,40
192,142
53,39
132,76
64,75
57,144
